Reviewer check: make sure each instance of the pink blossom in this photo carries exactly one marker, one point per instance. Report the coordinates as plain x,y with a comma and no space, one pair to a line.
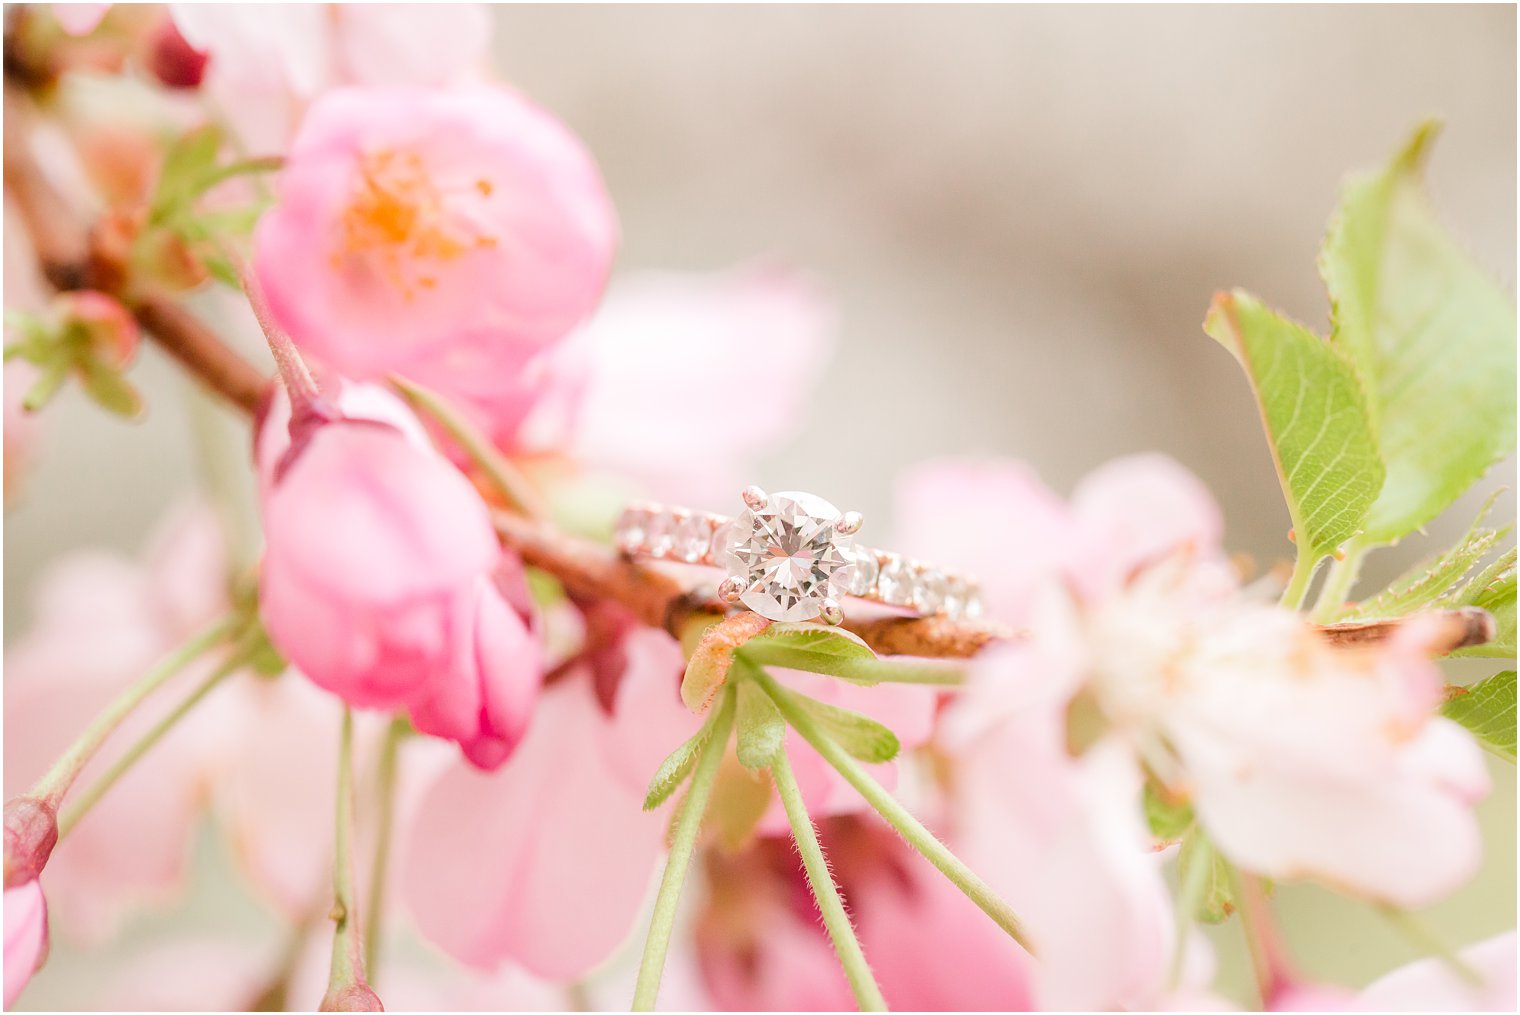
1432,985
1062,839
268,63
644,389
383,580
1300,759
546,861
132,848
453,237
26,936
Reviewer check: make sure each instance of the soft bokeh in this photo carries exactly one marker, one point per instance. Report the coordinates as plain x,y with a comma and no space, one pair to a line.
1019,215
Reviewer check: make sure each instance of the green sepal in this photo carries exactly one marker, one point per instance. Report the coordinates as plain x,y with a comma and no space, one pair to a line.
1205,875
861,736
679,763
761,730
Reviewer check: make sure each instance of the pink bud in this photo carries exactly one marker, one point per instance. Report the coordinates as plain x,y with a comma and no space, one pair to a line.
107,325
377,579
31,832
173,60
354,997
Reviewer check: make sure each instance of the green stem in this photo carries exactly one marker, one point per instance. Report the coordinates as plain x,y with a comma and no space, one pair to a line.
502,475
896,815
1189,897
1423,938
242,167
857,970
1268,961
1298,583
385,790
683,842
348,945
57,780
1338,584
91,795
763,652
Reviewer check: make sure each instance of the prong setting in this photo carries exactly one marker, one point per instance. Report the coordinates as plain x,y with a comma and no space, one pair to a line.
754,498
849,523
832,613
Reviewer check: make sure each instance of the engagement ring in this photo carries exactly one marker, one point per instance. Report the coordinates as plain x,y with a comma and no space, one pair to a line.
792,557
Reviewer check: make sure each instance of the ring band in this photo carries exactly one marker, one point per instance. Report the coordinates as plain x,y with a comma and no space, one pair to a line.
792,556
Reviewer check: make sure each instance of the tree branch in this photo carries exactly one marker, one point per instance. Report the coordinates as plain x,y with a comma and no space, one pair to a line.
64,250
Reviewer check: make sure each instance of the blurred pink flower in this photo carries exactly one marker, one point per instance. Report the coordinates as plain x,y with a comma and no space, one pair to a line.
762,947
1432,985
546,861
79,19
26,936
382,578
133,846
267,63
1301,760
644,389
449,236
1062,840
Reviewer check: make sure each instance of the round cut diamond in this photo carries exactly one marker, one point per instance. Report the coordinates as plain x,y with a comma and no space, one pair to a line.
789,555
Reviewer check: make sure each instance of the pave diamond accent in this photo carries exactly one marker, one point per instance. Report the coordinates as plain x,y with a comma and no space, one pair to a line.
790,556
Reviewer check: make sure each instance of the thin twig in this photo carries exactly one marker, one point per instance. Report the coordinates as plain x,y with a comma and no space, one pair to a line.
62,244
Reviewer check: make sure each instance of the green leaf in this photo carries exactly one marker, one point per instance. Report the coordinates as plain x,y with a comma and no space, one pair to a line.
1168,820
862,737
761,730
836,652
54,371
189,160
679,764
1205,877
1434,577
1315,417
109,389
1431,337
1487,710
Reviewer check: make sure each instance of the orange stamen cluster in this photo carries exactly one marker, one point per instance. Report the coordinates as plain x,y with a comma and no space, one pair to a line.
401,220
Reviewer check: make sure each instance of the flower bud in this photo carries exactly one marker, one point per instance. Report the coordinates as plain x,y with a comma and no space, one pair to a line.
107,326
31,832
171,59
354,997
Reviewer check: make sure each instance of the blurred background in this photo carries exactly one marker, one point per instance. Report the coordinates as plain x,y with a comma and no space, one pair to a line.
1021,214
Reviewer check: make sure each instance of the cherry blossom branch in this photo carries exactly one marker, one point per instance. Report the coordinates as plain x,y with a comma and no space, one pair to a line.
683,843
595,571
836,921
69,260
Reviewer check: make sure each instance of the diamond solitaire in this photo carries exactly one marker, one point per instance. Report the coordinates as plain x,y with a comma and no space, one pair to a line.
793,557
788,556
